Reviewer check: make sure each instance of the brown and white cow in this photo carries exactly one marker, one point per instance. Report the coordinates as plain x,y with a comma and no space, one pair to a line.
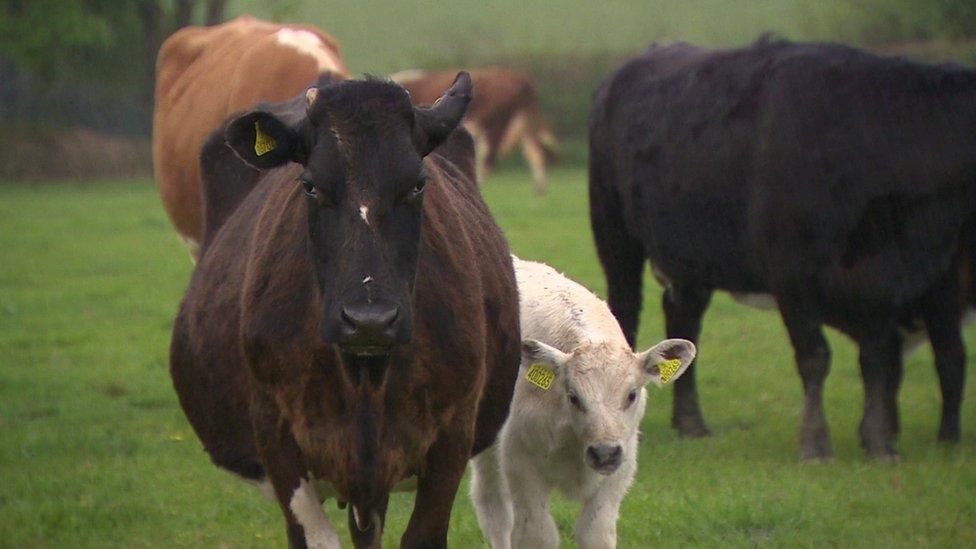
204,74
353,321
504,112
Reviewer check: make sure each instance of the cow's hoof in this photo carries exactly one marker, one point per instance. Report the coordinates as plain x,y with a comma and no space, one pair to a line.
949,436
691,427
815,452
884,454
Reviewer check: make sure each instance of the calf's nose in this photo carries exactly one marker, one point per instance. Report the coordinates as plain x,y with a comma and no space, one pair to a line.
605,458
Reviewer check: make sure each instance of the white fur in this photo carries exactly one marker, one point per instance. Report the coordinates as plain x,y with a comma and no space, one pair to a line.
364,213
307,508
307,43
543,444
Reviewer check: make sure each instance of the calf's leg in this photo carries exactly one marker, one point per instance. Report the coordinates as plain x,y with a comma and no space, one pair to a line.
684,307
880,357
812,357
489,493
533,524
596,527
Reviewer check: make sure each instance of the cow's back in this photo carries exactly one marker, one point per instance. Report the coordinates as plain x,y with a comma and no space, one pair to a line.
206,73
745,169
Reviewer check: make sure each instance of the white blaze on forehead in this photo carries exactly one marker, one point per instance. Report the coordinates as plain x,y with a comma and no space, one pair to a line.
308,511
364,213
308,43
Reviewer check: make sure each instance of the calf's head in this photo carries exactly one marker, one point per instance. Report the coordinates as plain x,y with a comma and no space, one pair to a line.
601,390
361,144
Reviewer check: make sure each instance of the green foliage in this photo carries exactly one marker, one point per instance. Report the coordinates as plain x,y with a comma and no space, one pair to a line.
95,451
41,35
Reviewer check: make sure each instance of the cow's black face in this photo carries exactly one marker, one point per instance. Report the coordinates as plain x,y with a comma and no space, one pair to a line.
362,146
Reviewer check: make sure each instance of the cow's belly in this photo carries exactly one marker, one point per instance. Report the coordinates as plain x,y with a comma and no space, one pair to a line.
913,339
326,490
755,300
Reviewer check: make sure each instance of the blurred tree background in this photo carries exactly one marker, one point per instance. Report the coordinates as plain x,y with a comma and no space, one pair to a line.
76,76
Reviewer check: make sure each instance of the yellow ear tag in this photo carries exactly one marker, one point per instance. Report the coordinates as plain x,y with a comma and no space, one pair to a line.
263,143
668,368
540,376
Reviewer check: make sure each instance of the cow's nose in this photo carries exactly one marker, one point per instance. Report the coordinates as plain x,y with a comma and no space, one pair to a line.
369,328
605,458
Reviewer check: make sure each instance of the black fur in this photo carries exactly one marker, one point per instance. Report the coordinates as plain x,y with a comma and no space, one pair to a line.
840,182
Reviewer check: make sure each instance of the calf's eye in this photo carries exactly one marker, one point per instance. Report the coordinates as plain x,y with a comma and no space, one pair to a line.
575,401
632,397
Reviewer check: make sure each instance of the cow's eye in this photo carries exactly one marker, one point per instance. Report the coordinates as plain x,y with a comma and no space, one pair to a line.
309,187
631,397
417,191
575,401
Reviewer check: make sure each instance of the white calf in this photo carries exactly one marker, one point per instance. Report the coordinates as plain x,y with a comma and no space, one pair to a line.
573,423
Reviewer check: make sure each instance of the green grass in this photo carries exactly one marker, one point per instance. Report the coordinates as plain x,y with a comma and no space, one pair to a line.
95,452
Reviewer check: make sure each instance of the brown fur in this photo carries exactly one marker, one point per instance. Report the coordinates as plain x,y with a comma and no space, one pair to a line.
504,112
203,74
267,397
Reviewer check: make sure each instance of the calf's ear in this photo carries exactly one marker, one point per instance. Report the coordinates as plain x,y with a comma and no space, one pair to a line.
666,361
262,140
537,352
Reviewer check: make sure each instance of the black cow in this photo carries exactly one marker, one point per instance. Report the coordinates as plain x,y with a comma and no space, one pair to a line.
837,182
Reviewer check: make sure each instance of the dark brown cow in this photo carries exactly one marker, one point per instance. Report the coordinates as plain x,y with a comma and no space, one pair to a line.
504,112
354,321
203,75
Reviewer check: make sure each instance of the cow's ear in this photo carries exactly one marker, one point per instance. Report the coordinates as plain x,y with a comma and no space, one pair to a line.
262,140
537,352
666,361
541,363
434,124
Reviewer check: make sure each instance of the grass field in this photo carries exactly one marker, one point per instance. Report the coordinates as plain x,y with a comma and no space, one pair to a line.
95,452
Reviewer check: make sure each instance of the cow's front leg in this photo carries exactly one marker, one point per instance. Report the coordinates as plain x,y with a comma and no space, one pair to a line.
436,489
307,524
533,524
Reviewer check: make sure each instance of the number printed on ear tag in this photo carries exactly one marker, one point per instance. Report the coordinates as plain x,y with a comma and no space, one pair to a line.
540,376
263,143
668,368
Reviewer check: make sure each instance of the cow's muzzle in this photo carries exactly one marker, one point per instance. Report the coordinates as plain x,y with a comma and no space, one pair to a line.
369,329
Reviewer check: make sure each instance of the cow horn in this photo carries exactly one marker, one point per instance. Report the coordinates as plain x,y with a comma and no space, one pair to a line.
434,124
311,94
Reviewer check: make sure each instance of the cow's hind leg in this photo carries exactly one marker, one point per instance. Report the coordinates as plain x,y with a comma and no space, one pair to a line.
812,355
880,356
684,307
943,325
535,156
